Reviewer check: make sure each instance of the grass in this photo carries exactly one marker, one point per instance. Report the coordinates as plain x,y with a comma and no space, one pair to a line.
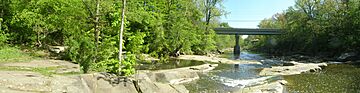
70,73
46,71
13,54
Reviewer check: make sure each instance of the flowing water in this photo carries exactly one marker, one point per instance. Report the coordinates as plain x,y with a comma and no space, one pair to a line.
335,78
226,78
231,77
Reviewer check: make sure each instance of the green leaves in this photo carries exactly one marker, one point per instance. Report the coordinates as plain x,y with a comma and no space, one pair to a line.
3,35
315,26
161,28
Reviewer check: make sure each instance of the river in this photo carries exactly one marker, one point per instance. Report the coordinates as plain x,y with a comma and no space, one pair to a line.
335,78
226,78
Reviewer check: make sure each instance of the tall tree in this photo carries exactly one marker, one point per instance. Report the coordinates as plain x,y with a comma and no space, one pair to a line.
121,33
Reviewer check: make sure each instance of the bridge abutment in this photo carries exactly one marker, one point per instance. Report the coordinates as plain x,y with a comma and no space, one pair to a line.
237,47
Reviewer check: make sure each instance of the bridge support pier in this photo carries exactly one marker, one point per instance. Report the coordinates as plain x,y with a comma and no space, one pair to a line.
237,47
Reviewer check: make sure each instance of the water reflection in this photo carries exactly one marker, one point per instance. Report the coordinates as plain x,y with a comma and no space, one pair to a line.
335,78
172,63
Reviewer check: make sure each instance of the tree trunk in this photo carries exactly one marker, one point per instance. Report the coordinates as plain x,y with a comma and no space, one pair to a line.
121,34
97,31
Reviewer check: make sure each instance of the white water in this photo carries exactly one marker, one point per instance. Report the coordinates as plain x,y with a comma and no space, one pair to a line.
242,83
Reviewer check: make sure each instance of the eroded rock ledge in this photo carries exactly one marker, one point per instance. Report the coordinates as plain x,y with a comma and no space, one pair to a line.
162,81
297,68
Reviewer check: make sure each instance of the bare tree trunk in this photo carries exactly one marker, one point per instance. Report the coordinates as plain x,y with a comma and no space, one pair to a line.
209,5
1,16
121,34
37,30
0,23
208,17
97,31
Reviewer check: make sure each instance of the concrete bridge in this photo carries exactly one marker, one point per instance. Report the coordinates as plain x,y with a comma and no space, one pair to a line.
245,31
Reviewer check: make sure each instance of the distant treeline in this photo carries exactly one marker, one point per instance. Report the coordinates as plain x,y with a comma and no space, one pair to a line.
314,27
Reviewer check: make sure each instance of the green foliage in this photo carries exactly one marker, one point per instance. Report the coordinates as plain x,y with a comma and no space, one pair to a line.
3,38
224,41
3,35
161,28
128,65
85,55
110,66
315,27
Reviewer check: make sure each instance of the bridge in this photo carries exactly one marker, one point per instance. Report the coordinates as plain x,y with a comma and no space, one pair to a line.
245,31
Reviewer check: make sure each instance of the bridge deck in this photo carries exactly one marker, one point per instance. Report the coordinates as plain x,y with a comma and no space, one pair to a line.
247,31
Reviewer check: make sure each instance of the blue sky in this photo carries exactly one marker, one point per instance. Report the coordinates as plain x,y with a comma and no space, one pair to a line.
248,13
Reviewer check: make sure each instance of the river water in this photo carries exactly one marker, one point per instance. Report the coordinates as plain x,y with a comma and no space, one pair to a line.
226,78
335,78
229,77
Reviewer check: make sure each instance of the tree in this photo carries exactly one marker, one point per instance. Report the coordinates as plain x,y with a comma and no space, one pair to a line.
317,26
121,32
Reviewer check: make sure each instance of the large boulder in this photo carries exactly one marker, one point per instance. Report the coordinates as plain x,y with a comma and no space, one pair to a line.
57,49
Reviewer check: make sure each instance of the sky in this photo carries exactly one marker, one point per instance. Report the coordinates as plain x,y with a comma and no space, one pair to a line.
249,13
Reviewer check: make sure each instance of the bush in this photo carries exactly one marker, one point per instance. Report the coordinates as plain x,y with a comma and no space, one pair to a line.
3,37
128,64
110,66
85,57
81,51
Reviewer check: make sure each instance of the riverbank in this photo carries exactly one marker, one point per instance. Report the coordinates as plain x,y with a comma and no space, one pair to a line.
260,76
59,73
159,81
146,81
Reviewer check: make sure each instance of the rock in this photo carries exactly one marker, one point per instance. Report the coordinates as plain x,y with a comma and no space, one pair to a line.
103,86
270,62
298,68
299,57
271,87
194,68
283,82
288,64
57,49
22,83
61,66
161,81
156,87
180,88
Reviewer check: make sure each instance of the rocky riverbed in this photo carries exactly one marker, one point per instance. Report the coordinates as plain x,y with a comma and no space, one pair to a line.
25,80
255,74
243,75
